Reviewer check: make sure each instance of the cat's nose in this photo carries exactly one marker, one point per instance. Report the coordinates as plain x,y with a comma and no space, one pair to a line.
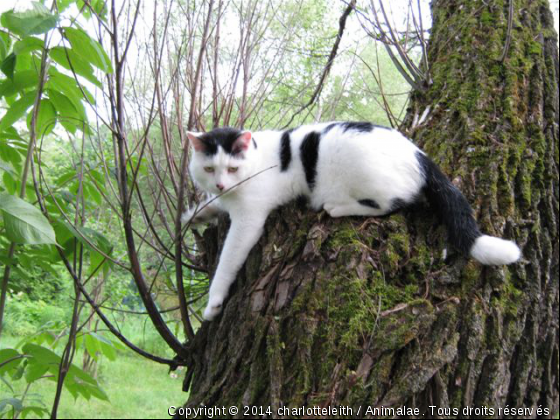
220,186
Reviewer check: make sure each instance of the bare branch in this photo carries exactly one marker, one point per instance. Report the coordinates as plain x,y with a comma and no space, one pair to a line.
332,56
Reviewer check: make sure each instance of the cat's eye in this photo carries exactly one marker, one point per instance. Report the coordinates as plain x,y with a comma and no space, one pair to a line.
232,170
209,169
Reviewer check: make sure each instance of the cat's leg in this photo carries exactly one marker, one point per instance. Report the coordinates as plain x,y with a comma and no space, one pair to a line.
365,207
243,234
204,212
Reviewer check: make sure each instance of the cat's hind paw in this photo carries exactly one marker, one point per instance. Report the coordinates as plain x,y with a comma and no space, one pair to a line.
212,311
331,209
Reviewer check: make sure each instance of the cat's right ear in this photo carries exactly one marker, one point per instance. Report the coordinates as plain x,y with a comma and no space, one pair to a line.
195,141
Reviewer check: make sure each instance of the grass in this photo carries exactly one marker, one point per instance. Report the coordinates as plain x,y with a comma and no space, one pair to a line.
137,388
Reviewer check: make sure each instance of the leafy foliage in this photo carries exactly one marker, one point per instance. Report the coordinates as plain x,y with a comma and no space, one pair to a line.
24,223
32,361
39,99
36,21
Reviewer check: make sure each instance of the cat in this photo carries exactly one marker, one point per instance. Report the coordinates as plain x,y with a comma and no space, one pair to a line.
345,168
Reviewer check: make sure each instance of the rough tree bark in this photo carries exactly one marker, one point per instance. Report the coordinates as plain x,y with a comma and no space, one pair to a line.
371,311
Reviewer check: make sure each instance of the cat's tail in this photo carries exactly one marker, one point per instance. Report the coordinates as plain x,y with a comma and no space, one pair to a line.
457,216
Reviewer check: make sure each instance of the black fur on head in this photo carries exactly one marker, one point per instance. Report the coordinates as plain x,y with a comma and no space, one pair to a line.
225,138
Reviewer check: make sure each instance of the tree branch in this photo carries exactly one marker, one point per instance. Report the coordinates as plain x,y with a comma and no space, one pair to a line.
330,61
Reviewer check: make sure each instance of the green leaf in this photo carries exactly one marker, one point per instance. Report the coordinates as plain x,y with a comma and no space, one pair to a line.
118,345
11,134
36,21
99,179
40,355
88,48
17,110
11,151
4,46
18,374
68,115
10,182
73,388
107,347
28,61
14,402
7,88
86,236
78,381
4,166
100,7
28,44
40,361
24,223
75,373
67,85
92,346
22,80
35,371
72,61
91,236
8,65
46,118
7,361
8,385
39,412
64,4
65,177
95,391
90,191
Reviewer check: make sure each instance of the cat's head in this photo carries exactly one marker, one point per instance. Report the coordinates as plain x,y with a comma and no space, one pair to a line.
221,158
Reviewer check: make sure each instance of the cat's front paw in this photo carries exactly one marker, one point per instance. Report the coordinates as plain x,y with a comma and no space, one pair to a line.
191,216
212,310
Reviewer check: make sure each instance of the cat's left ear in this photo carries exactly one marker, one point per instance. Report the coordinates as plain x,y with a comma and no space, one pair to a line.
242,142
196,142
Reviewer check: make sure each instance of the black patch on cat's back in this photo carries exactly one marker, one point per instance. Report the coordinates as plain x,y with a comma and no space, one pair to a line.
309,150
362,127
330,127
368,202
224,137
285,151
359,126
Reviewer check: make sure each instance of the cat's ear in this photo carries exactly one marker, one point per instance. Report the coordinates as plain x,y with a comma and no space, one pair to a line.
196,142
242,142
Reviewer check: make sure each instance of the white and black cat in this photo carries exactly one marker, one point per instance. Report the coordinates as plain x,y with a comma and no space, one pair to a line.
345,168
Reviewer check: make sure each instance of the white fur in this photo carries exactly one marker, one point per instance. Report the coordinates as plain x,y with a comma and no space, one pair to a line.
490,250
380,165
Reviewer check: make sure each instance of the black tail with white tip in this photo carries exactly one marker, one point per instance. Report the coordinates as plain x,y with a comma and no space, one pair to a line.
456,214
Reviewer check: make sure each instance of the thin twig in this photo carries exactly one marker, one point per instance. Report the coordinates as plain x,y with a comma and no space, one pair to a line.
508,36
330,61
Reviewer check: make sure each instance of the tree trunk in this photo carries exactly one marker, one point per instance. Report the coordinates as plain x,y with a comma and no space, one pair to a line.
378,312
